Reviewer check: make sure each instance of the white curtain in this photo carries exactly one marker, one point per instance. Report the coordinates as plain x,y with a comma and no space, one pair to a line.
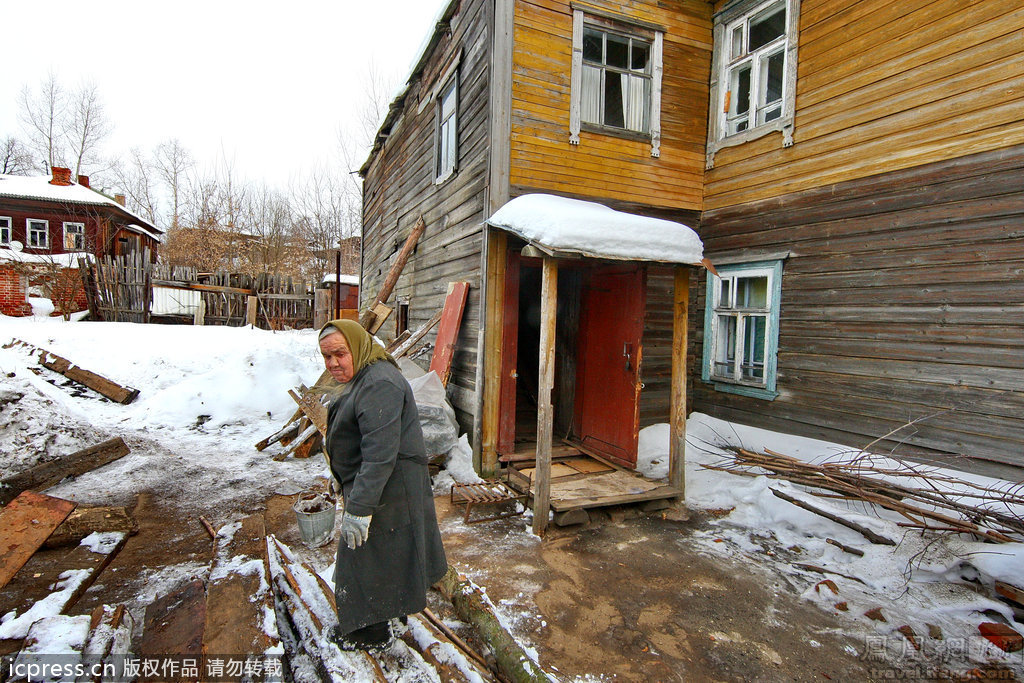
633,102
590,98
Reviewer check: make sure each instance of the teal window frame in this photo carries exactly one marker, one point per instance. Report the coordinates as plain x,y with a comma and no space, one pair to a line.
765,389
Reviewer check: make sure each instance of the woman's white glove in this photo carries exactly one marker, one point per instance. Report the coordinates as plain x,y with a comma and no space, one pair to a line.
355,530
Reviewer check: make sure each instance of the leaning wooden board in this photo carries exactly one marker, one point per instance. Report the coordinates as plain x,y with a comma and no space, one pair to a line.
448,332
24,525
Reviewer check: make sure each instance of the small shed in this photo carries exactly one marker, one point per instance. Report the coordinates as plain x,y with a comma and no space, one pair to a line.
572,299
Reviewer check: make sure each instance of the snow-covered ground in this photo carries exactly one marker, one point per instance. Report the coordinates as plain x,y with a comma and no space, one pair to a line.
208,393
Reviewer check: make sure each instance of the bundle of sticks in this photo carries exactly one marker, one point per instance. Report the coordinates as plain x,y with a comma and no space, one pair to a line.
929,499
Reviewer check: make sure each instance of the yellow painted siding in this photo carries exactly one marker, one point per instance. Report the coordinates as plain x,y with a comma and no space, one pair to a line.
607,166
883,86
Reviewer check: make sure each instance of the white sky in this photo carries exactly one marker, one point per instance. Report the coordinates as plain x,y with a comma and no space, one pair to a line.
265,84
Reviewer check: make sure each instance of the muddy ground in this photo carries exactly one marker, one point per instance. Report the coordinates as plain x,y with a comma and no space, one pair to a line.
627,597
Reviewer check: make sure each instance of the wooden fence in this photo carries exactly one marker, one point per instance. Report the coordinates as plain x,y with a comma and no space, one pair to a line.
121,289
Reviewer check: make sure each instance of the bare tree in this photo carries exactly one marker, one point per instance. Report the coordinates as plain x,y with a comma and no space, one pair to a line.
15,157
86,125
174,163
42,113
136,176
327,207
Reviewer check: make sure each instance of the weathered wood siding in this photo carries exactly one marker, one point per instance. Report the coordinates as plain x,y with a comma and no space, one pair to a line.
882,86
399,187
607,166
902,297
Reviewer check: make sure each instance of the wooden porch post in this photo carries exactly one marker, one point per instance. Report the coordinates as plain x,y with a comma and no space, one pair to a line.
545,382
677,425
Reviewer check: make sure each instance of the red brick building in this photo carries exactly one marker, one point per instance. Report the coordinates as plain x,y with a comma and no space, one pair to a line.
47,223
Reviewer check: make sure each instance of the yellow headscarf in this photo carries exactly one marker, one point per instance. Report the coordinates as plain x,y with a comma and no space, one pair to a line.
364,350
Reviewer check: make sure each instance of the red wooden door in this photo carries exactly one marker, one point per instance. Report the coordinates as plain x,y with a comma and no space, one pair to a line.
608,364
509,356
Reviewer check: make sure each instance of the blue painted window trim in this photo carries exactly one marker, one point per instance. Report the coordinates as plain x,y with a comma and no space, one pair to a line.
771,354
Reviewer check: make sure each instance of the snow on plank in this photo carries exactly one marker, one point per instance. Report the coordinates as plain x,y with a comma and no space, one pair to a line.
58,586
50,473
24,525
98,383
109,641
239,604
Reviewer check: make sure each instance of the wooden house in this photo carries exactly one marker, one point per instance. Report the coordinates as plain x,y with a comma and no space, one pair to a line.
865,174
601,102
853,168
47,222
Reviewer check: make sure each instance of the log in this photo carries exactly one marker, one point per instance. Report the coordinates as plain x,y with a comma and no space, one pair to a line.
98,383
88,520
472,607
446,672
369,317
864,531
49,473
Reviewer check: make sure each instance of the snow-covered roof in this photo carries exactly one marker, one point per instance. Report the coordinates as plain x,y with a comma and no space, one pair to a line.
572,226
39,187
69,260
138,228
331,278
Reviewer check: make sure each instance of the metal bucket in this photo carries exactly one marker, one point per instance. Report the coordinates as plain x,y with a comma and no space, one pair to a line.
314,513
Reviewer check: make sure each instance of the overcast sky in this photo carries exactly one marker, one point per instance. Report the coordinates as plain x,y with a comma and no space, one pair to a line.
266,84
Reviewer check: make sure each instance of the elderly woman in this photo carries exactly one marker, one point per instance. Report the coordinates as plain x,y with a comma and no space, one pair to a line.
390,550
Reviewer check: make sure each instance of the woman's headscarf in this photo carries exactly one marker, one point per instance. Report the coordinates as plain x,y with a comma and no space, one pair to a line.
364,350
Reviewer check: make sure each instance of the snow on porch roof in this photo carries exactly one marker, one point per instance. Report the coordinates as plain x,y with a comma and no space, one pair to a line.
558,224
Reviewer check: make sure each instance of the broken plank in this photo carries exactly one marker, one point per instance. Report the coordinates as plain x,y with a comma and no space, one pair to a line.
87,520
59,585
50,473
174,623
24,525
309,403
380,314
238,596
291,429
448,332
98,383
109,641
415,337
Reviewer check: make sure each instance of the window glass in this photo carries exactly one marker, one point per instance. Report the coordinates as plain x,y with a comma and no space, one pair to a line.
725,346
617,51
37,233
447,131
751,292
593,45
736,43
755,328
5,230
613,100
640,56
767,27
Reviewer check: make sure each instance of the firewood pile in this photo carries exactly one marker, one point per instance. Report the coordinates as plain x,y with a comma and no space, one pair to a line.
929,500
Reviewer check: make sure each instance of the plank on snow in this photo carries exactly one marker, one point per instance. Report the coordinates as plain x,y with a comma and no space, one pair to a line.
50,473
98,383
448,332
238,594
24,525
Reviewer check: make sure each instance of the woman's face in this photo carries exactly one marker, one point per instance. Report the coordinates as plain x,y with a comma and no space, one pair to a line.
337,357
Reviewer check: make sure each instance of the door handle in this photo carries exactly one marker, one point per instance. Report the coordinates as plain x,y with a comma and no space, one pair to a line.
627,352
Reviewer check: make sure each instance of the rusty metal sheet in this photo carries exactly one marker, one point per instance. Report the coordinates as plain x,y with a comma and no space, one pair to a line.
25,524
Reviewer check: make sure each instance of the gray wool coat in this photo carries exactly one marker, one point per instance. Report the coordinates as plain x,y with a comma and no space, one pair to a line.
376,451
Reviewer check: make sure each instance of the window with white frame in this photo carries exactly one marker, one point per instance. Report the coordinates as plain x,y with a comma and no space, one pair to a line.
447,136
74,236
5,230
754,78
741,328
38,233
616,77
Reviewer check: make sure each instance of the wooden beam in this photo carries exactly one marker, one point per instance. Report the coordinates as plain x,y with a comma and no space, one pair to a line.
391,280
24,525
89,520
545,384
677,423
112,390
497,256
404,347
49,473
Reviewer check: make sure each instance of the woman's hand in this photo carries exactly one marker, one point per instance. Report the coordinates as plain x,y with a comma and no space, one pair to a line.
355,530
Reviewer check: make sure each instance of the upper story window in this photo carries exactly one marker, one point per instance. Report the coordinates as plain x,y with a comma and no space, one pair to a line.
38,236
741,328
754,75
74,236
447,135
5,230
616,77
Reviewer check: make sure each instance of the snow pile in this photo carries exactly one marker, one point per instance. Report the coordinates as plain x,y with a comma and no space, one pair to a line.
593,229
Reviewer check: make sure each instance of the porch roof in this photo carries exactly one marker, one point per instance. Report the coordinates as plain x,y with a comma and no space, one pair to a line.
572,227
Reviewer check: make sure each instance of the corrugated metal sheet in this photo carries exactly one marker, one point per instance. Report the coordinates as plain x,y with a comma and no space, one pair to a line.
170,301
